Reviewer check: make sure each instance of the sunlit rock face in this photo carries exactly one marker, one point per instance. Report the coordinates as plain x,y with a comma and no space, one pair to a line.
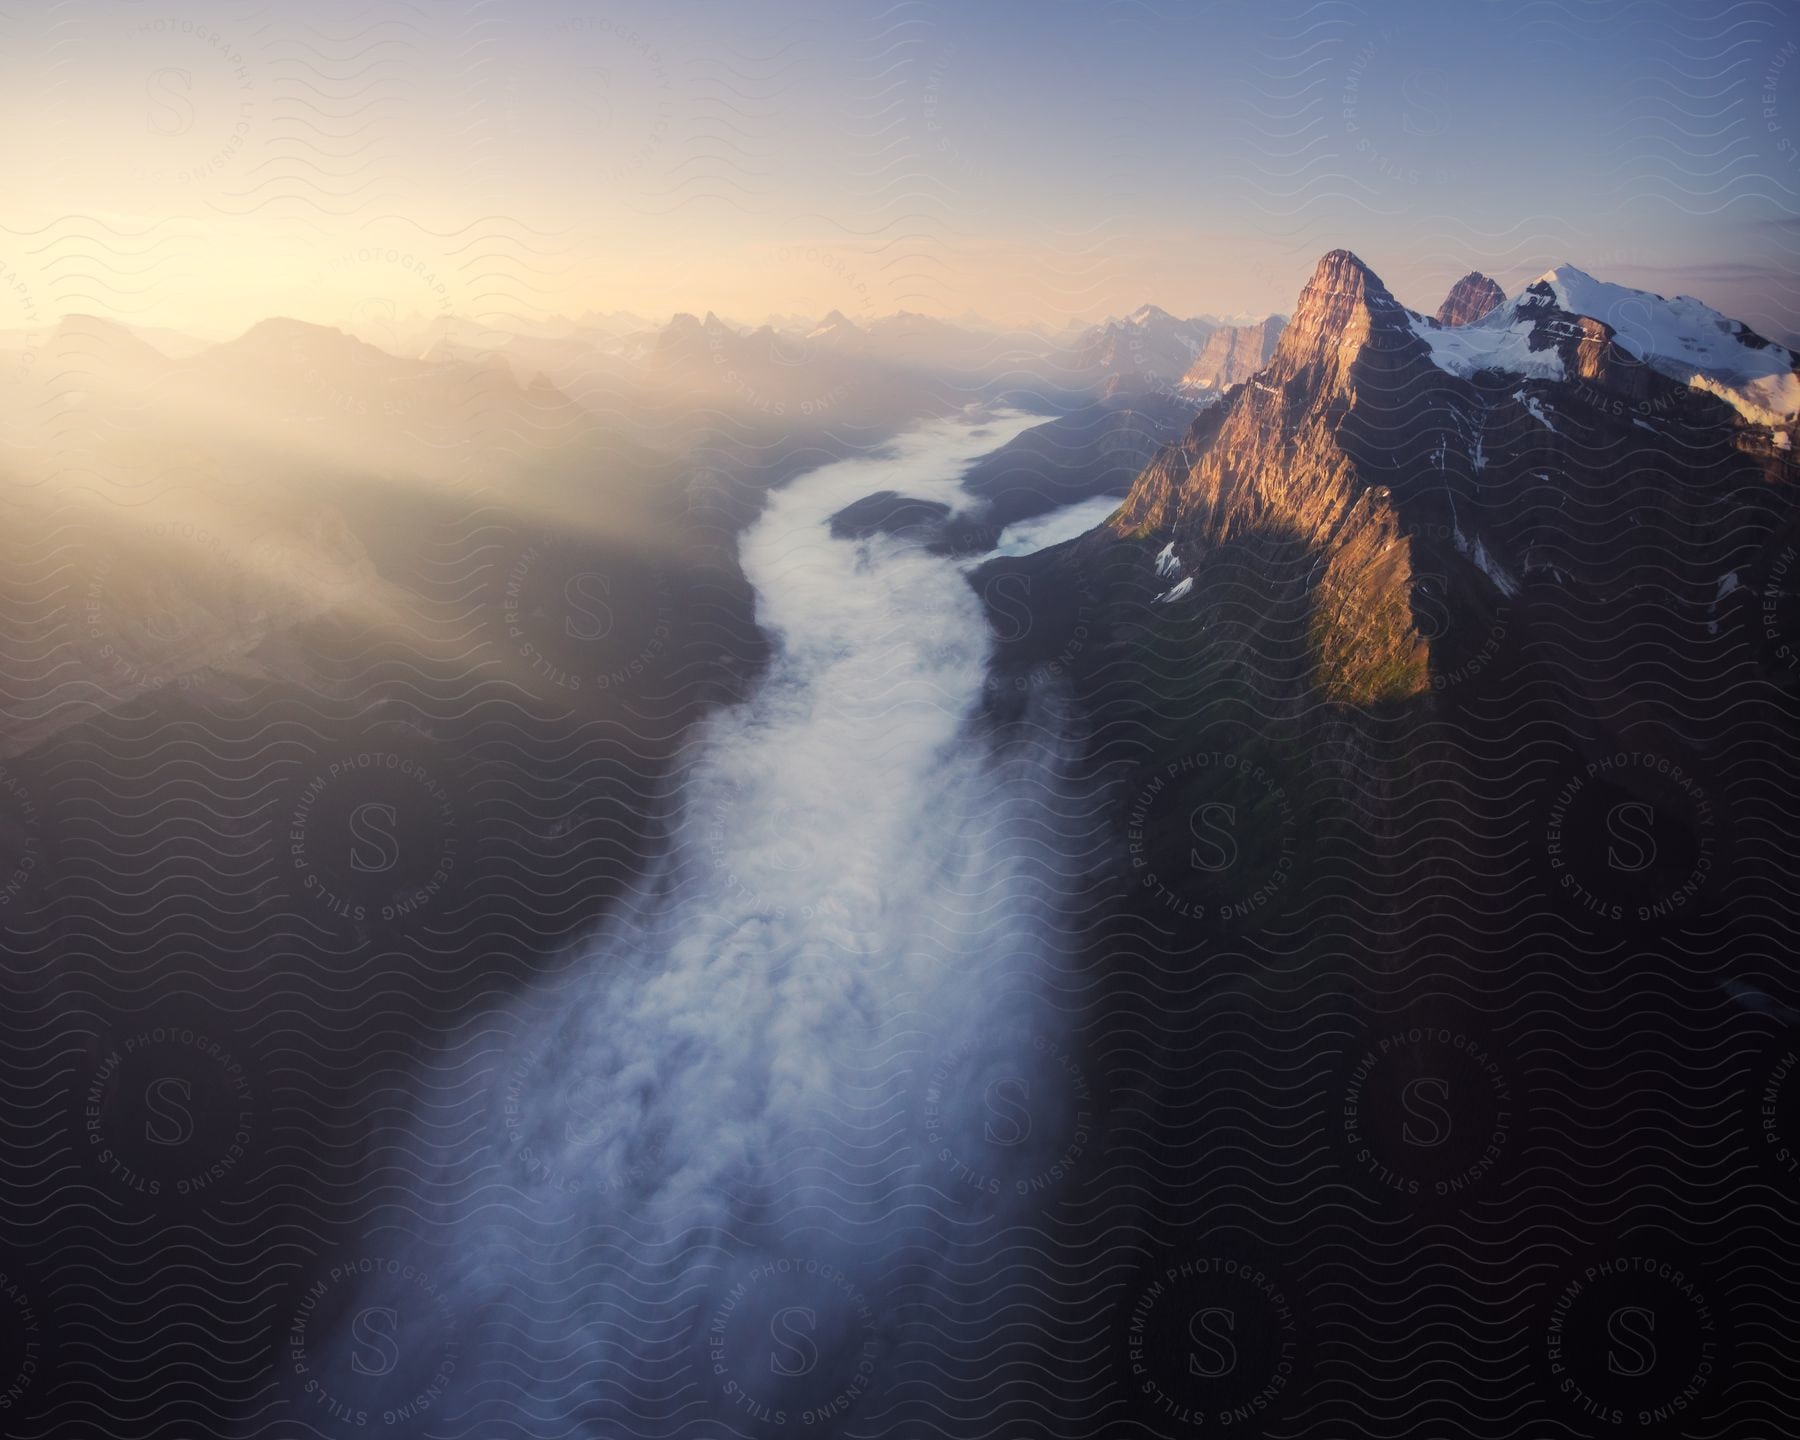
1269,480
1233,354
1469,299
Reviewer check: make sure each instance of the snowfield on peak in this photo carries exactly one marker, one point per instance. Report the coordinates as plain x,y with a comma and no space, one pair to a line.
1499,340
1684,339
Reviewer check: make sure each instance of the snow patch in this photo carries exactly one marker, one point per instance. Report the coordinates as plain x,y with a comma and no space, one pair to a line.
1500,340
1486,563
1535,408
1175,592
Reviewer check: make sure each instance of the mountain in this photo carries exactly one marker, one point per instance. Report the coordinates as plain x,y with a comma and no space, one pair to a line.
1148,348
837,329
1683,338
1438,688
1268,477
1377,446
1554,526
1469,299
1233,353
611,322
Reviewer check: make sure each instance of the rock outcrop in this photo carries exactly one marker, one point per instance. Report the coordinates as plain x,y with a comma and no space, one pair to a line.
1233,353
1469,299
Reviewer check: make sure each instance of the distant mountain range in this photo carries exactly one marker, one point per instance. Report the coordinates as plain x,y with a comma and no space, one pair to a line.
601,351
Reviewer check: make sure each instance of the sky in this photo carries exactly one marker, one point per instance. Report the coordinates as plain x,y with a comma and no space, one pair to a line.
202,167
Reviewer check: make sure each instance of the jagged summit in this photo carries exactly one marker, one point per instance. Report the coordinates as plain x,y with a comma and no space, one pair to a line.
1340,311
684,322
1343,272
1148,345
1469,299
281,339
1341,282
1572,288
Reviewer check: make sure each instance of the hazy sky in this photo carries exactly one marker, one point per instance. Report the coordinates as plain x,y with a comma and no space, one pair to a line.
204,166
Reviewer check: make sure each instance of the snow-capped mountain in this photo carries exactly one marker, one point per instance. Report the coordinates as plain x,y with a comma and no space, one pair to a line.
1683,338
1555,541
1539,334
1381,456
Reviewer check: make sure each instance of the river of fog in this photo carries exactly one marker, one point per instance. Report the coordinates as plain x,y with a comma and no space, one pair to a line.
747,1164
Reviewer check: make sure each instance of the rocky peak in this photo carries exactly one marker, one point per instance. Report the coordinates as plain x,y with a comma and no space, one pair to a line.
1343,309
1341,276
1469,299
